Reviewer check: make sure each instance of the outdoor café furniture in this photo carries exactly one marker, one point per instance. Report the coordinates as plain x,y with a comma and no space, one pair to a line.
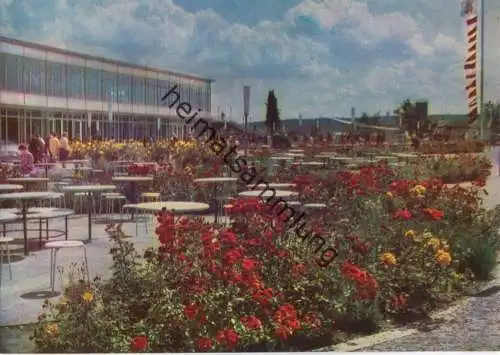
178,207
27,181
78,162
5,252
150,196
90,191
25,198
10,187
283,194
45,167
134,186
42,215
62,244
216,182
309,163
314,206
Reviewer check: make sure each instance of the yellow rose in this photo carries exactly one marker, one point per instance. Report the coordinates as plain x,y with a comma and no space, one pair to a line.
410,233
88,296
435,243
52,329
389,195
443,258
388,259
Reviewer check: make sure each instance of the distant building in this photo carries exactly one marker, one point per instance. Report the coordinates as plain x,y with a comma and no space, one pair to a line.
44,89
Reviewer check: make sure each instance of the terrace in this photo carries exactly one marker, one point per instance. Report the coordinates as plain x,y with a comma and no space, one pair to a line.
217,243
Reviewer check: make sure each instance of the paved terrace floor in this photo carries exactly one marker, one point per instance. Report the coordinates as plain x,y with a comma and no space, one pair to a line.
18,302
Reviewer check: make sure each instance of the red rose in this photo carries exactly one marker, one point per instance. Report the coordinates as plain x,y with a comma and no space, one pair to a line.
139,343
434,214
251,322
203,344
227,337
191,310
402,214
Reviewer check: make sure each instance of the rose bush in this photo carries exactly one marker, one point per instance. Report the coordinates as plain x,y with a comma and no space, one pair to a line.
399,249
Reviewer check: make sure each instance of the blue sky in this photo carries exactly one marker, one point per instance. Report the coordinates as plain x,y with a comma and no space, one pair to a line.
321,56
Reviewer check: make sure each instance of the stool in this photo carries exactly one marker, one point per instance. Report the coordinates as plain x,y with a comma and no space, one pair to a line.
111,199
54,248
314,206
5,252
150,196
139,217
55,199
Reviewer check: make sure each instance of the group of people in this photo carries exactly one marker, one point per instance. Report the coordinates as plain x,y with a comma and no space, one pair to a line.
51,149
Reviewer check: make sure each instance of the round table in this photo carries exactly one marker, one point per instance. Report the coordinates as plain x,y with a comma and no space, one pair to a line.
90,190
28,180
315,205
46,167
269,194
132,178
273,185
25,197
10,187
281,158
216,181
77,162
174,206
310,163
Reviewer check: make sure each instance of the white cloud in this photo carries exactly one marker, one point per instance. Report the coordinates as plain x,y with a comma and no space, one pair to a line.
425,58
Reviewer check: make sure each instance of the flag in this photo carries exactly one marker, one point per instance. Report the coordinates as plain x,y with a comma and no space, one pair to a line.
470,68
467,7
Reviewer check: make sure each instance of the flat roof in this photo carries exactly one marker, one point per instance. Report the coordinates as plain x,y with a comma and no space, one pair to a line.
100,59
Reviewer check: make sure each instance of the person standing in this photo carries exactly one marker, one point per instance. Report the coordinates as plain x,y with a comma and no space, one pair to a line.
54,146
65,148
27,161
35,149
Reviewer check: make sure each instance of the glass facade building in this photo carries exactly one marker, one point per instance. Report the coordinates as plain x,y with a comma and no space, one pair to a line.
46,89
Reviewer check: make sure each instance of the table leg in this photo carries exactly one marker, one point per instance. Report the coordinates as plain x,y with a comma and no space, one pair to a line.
216,215
40,231
89,208
66,227
25,226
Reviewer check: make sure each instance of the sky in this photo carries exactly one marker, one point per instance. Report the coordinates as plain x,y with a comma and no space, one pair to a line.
321,57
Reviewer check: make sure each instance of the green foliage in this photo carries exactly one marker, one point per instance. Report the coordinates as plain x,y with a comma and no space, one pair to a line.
273,120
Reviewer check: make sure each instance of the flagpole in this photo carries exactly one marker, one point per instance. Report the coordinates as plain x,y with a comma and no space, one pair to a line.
481,88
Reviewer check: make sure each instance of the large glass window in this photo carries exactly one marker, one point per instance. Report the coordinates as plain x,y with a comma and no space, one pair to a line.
76,82
14,72
93,84
34,76
151,92
138,90
162,88
209,98
3,69
56,83
109,86
124,88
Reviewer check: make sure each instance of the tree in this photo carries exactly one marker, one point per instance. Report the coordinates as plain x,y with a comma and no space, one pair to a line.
272,113
410,122
370,120
492,113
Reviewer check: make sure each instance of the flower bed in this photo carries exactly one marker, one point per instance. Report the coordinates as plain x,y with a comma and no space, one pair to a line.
385,249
